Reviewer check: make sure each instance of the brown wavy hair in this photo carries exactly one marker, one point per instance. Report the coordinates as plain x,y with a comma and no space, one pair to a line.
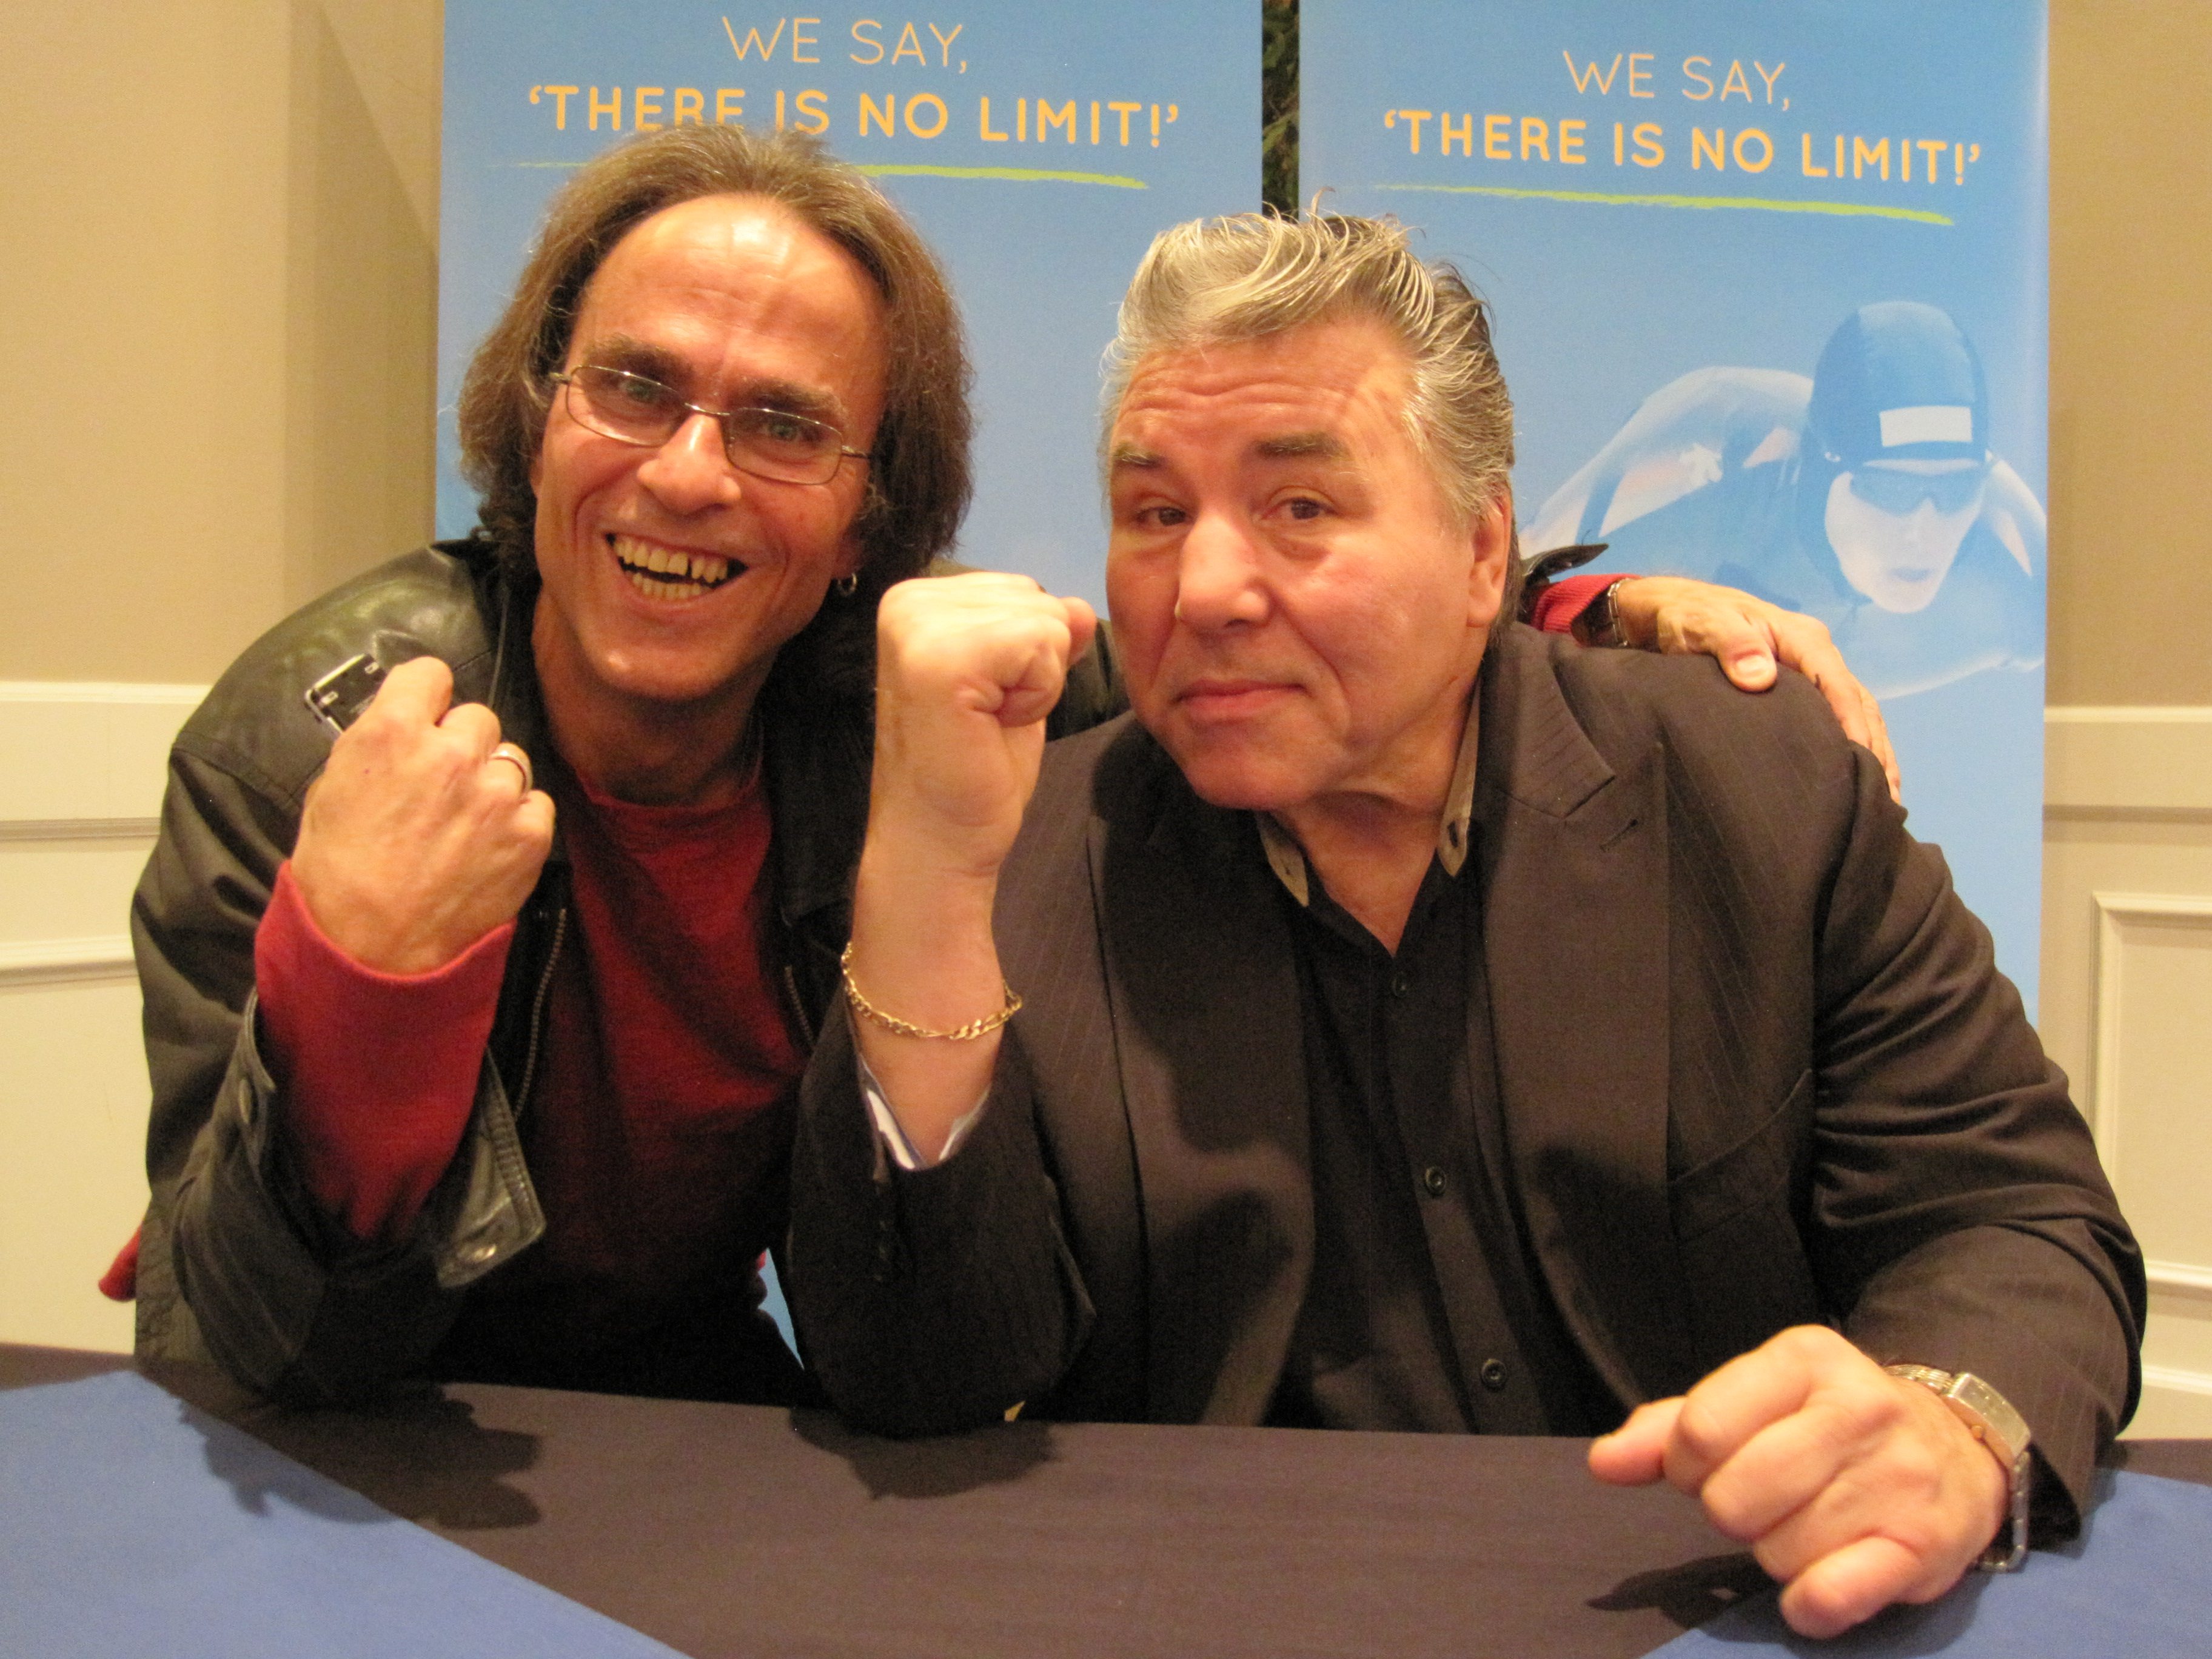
918,474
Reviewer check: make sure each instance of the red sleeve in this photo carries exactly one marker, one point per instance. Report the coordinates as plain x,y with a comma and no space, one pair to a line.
1558,605
379,1071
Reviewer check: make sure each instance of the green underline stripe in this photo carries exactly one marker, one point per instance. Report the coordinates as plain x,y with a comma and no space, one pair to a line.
1757,203
1018,175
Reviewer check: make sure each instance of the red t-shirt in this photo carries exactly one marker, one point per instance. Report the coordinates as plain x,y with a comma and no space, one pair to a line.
658,1131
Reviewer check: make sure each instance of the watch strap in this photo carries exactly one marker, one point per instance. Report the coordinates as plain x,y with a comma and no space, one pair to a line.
1599,621
1990,1416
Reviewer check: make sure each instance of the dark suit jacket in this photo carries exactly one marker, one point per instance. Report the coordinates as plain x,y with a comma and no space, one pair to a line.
1757,1068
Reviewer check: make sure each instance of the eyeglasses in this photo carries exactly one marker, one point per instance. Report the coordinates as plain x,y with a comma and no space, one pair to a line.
1888,490
769,443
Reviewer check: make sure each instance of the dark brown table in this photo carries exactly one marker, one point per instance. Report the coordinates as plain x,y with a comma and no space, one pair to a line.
737,1530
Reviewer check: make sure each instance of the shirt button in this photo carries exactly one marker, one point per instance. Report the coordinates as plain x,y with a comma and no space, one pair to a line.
1401,983
1432,1180
1493,1375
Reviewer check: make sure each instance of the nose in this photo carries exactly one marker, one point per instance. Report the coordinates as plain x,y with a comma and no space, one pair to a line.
1220,581
691,472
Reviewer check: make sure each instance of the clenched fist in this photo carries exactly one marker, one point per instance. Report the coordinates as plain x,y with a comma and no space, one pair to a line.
417,840
967,668
1853,1488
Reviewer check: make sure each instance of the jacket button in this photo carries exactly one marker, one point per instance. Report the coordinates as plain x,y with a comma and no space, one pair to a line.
1432,1181
1401,983
1493,1375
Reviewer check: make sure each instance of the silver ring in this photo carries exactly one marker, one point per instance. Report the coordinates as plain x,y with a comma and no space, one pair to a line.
521,762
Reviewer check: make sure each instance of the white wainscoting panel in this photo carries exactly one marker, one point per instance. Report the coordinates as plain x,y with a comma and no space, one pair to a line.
81,769
2127,1005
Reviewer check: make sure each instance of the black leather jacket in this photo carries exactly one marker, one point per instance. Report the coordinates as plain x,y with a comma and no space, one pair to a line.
237,1262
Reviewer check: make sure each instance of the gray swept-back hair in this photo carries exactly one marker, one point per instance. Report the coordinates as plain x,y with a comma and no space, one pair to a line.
1226,281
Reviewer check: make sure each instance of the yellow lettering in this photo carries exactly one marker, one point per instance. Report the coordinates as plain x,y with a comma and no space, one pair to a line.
1638,76
1125,111
1093,120
753,41
816,111
690,105
1863,156
1155,124
909,45
1650,152
1535,133
887,117
1582,77
779,109
1812,171
1716,148
1048,118
1765,150
1464,132
984,124
1618,136
1933,148
875,41
1736,81
1413,118
639,108
936,103
945,45
1570,142
1770,76
1839,156
798,40
560,95
1691,70
1497,137
729,105
612,106
1021,120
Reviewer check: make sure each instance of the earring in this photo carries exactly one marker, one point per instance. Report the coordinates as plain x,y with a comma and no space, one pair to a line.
848,585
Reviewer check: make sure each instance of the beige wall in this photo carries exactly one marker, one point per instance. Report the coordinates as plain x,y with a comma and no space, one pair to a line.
222,228
221,251
2130,351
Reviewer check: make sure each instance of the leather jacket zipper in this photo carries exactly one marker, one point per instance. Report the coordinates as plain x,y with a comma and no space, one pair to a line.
807,1032
537,1013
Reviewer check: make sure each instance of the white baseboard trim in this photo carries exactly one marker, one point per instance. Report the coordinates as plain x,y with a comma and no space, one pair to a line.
64,961
2176,1381
2121,759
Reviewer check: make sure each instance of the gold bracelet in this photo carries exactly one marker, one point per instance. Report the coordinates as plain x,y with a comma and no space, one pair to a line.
897,1027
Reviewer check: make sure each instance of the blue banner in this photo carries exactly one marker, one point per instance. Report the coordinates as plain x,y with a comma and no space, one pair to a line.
1039,148
1770,282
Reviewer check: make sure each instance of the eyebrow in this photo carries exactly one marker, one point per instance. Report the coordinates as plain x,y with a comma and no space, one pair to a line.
1296,446
635,356
1131,457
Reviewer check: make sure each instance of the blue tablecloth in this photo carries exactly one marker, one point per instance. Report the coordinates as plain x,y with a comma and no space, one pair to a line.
132,1524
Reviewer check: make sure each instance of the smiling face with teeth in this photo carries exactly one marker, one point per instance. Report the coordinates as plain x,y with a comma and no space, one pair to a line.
670,579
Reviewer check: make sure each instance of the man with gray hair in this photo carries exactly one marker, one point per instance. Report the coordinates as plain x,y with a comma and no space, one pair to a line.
1425,1025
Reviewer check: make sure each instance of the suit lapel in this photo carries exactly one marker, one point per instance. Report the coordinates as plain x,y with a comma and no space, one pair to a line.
1574,870
1198,966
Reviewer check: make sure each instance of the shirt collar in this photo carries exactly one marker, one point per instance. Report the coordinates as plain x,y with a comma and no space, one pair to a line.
1288,860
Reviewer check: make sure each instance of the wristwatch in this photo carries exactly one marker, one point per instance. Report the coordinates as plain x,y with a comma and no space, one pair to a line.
1992,1419
1598,622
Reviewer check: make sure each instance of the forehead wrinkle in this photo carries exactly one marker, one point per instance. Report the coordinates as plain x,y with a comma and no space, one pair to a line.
637,356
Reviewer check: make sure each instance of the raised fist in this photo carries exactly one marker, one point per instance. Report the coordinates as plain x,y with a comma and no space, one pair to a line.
419,839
